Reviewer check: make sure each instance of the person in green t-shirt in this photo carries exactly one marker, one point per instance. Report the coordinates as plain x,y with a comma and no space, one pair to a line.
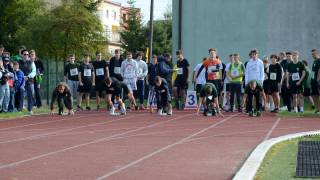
307,84
253,89
295,75
315,80
209,100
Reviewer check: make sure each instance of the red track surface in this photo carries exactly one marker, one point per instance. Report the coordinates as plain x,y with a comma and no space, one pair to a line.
137,146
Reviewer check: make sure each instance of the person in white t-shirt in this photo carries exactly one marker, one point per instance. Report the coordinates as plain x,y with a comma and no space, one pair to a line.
142,74
199,78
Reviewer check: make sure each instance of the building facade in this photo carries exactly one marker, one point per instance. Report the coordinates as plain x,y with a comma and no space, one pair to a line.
238,26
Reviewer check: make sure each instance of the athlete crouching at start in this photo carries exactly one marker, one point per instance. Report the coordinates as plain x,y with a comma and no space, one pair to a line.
163,97
114,88
253,89
63,95
209,100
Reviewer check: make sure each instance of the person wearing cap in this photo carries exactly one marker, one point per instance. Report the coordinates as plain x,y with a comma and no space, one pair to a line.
38,78
101,72
86,81
29,69
71,72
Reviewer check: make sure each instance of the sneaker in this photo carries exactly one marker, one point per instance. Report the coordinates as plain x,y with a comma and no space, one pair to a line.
79,108
142,107
239,110
136,107
258,114
275,110
251,114
30,113
123,111
88,108
169,112
112,109
230,110
160,112
284,108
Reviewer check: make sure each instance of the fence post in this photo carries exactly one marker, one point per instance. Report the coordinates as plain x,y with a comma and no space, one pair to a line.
48,82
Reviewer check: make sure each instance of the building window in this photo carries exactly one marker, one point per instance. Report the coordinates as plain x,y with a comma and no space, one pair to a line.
114,15
107,14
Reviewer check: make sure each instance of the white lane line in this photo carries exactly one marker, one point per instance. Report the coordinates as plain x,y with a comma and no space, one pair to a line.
272,129
48,122
60,131
162,149
108,138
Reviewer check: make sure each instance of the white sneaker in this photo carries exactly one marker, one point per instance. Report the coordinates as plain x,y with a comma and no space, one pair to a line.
123,111
112,109
30,113
170,112
160,113
284,108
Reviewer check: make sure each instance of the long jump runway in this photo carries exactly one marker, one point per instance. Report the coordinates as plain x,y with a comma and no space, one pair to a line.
93,145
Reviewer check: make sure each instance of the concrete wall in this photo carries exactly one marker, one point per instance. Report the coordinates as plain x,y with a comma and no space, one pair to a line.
240,25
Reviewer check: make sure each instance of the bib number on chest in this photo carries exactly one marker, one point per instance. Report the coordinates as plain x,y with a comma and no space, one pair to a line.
295,76
235,73
273,76
99,72
74,71
180,71
87,72
117,70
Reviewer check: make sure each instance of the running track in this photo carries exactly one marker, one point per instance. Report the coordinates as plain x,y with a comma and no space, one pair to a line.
93,145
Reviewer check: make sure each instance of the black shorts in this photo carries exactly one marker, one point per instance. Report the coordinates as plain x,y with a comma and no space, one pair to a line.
315,88
266,86
273,87
181,84
294,89
306,92
198,88
100,87
228,87
86,88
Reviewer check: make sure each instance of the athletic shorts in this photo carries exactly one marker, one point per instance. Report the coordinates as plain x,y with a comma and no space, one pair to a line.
100,87
131,83
273,87
181,84
198,88
306,92
315,88
86,88
266,87
294,89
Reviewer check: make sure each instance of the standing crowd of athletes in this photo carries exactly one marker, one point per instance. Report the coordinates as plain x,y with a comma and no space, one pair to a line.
252,86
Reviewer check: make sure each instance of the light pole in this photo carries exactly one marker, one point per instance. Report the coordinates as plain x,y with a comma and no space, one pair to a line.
151,31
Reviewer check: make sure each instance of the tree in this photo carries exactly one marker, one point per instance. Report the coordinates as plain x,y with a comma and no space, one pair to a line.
69,28
14,17
133,37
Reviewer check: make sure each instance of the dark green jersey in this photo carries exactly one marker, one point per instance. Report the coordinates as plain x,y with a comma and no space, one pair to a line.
214,92
295,71
315,68
307,79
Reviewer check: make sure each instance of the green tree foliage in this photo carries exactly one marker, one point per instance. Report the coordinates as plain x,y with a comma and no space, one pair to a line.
14,16
69,28
133,37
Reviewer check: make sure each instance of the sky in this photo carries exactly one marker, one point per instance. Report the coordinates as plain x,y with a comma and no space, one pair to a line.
160,7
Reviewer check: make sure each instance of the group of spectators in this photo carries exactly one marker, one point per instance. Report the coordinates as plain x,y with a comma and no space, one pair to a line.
20,78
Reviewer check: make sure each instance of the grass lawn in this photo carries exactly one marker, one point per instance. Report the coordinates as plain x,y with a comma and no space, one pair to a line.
280,161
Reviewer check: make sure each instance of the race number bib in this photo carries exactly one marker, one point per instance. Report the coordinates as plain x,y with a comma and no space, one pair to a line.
99,72
212,68
87,72
74,72
273,76
180,71
235,72
117,70
295,76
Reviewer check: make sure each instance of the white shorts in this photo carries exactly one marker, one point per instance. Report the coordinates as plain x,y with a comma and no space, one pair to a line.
131,83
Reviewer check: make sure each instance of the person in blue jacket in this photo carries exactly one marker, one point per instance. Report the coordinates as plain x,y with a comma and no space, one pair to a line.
19,83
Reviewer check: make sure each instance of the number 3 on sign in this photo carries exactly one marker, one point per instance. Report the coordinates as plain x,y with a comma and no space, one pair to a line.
191,101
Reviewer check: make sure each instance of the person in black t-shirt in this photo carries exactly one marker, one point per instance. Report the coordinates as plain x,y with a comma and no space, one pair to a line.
71,72
115,88
274,75
285,59
86,81
182,80
253,89
163,97
115,65
63,95
101,72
